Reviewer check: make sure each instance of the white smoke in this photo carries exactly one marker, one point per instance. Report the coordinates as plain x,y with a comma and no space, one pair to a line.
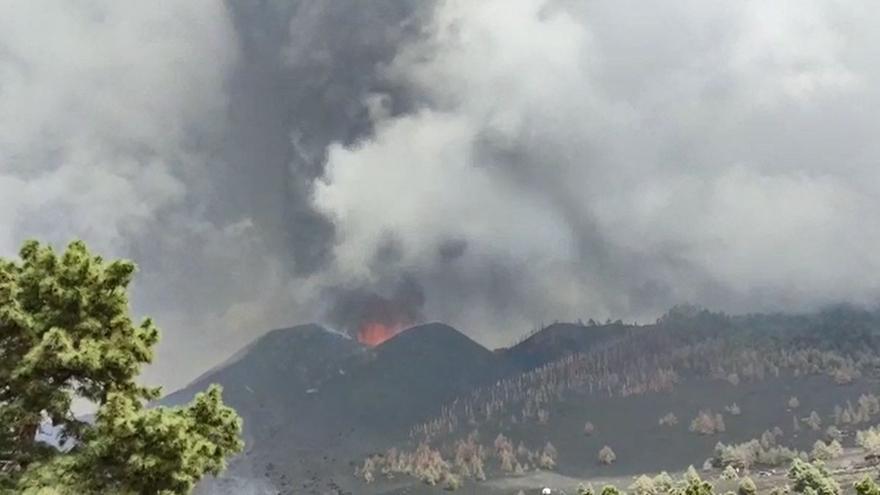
622,157
492,164
110,113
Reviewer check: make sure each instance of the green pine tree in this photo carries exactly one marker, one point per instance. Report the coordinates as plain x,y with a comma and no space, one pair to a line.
867,486
812,479
66,334
747,486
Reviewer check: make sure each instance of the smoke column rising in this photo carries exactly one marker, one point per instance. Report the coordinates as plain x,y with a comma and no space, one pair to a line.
488,164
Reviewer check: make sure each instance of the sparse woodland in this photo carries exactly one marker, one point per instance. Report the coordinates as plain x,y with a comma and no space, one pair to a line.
802,477
656,358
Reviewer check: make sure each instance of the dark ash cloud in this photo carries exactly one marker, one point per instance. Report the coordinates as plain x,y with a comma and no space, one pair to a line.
490,164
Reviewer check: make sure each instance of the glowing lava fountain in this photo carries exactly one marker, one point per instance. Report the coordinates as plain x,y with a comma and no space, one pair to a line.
373,334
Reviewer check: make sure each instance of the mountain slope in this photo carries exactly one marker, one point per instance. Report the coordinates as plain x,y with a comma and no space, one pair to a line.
412,375
282,365
315,401
316,404
558,340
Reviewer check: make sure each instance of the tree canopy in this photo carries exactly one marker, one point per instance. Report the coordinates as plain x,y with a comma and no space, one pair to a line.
66,334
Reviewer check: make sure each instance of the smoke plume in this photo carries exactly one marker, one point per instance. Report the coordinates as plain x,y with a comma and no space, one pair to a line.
489,164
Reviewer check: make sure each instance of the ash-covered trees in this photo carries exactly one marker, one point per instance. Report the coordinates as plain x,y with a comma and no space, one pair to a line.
845,375
606,455
833,433
826,451
504,450
610,490
707,423
814,421
729,473
869,440
589,428
584,490
694,485
452,482
366,472
870,404
424,463
751,453
746,486
469,457
866,486
428,465
548,457
669,419
65,335
812,479
642,485
663,482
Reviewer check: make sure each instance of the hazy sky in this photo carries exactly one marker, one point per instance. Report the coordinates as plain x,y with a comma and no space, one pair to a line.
491,164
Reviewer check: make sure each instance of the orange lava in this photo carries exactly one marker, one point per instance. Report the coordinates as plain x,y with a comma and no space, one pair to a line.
373,334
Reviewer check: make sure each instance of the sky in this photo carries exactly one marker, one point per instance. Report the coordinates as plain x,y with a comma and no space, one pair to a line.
495,165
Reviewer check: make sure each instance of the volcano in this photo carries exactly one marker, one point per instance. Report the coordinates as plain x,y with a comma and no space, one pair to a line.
412,374
315,400
316,403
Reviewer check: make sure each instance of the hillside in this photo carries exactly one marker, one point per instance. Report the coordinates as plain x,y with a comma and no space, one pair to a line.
558,340
317,401
736,374
319,406
408,377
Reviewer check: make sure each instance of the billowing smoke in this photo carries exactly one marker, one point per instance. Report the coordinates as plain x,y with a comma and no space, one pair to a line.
373,318
614,159
490,164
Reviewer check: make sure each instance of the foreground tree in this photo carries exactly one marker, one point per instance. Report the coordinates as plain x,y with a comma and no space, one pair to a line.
869,440
643,485
729,473
826,451
746,487
694,484
866,486
581,490
812,479
66,334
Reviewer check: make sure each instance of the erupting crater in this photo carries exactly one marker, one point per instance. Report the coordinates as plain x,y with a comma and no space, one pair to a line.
374,333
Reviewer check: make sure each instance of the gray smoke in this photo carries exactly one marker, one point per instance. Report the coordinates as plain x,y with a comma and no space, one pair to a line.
353,307
490,164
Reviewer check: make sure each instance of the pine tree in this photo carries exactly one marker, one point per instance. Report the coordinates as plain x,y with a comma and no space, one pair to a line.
814,421
694,485
867,486
812,479
663,482
746,486
729,473
66,334
586,490
643,485
606,455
